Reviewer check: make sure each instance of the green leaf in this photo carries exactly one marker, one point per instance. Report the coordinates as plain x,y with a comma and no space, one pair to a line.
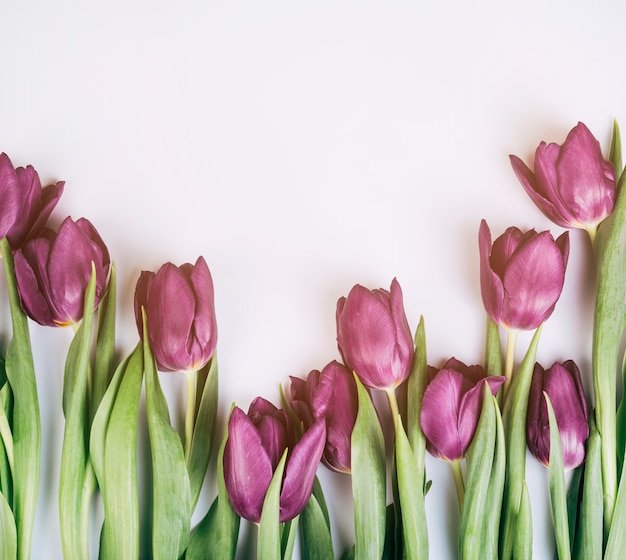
104,366
615,153
416,386
590,532
219,529
523,539
368,479
514,420
557,487
316,538
8,532
321,500
410,470
6,449
289,530
75,452
3,373
480,516
171,500
202,440
20,372
616,543
118,476
269,544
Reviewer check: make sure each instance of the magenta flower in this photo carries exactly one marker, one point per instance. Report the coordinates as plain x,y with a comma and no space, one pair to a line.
573,185
451,407
54,269
521,275
24,205
180,315
563,385
374,337
255,445
330,395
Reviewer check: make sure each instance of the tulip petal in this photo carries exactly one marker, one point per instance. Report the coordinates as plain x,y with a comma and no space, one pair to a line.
247,467
300,471
491,287
10,205
203,336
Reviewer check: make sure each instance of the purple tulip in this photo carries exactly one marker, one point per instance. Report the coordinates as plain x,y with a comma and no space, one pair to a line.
573,185
521,275
451,407
563,385
53,271
180,314
24,205
330,395
374,336
255,445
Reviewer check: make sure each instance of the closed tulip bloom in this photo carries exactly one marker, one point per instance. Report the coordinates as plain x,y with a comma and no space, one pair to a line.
54,269
451,407
521,275
572,184
330,395
563,385
373,336
255,445
180,315
24,205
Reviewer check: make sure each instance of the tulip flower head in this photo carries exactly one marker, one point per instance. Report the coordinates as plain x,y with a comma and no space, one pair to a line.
180,315
53,271
451,407
572,184
521,275
373,336
255,445
563,385
24,205
330,395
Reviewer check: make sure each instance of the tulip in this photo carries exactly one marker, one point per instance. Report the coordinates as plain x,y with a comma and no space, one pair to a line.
255,445
330,395
373,336
180,315
24,205
451,407
54,269
521,275
563,385
572,184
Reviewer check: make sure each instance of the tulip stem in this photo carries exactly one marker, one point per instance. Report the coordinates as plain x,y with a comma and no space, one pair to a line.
190,410
393,405
458,481
509,361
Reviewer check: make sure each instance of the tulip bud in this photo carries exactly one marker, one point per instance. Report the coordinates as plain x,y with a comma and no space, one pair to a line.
451,407
563,385
521,275
255,445
573,185
330,395
180,315
24,205
373,336
54,269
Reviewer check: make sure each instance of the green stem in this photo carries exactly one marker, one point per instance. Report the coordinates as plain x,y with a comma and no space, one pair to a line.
6,437
393,405
458,481
190,411
89,486
509,362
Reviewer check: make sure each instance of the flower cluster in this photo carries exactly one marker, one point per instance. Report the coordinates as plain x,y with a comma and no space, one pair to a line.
480,419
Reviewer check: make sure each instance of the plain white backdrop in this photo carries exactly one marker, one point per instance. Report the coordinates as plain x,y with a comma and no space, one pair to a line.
302,148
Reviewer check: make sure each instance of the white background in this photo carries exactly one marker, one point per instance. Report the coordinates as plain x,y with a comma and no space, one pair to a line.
302,148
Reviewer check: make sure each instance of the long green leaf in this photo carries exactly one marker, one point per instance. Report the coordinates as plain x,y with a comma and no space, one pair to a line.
558,498
269,544
118,478
316,537
6,449
368,479
202,440
411,493
523,538
74,455
616,543
416,386
219,529
289,530
171,515
20,371
8,532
